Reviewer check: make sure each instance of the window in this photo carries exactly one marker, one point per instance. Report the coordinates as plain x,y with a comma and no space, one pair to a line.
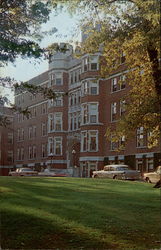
122,82
22,154
84,113
30,132
50,146
71,121
90,63
22,134
34,112
122,57
150,165
57,145
79,119
10,156
18,155
84,141
56,79
93,112
34,152
43,129
34,131
58,121
122,142
85,88
43,108
79,97
93,87
10,138
85,64
114,84
122,107
89,141
30,152
89,113
50,122
113,111
113,144
93,141
93,62
43,150
75,121
140,137
58,101
89,87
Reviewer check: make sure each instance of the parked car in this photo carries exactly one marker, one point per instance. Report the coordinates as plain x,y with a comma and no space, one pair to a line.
153,177
23,172
120,172
52,173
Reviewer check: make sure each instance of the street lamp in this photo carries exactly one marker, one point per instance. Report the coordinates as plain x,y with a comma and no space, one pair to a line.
74,158
51,159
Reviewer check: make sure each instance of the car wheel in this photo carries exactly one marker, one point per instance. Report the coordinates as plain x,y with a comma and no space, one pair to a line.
148,180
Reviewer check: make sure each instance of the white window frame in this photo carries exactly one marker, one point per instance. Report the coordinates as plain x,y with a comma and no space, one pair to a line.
90,136
122,107
113,111
43,129
58,141
93,112
30,153
53,77
50,122
50,146
122,82
58,120
84,141
113,145
113,84
86,137
140,138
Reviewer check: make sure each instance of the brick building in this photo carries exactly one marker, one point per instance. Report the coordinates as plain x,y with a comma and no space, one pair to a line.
69,131
6,142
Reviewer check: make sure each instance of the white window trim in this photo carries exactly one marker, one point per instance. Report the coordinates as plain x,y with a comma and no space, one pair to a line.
87,132
61,147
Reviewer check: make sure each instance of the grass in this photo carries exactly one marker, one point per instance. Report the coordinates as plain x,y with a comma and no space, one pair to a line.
74,213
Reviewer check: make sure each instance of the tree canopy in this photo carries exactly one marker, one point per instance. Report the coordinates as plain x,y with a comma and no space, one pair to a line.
130,27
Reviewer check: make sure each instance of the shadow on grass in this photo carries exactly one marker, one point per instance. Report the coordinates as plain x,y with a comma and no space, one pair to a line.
30,232
51,213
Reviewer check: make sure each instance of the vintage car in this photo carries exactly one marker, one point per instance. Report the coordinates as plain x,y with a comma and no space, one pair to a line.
153,177
52,173
120,172
23,172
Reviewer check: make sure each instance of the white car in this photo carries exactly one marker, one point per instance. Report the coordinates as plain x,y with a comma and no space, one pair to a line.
23,172
52,173
153,177
120,172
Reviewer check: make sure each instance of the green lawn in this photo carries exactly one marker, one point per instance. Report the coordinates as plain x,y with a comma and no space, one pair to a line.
74,213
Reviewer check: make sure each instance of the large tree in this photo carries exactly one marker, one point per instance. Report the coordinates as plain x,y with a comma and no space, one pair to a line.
131,27
20,34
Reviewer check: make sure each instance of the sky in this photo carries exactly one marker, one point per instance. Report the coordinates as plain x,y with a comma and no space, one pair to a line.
25,69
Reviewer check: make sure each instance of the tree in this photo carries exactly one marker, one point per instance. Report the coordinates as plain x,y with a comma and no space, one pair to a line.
131,27
20,33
